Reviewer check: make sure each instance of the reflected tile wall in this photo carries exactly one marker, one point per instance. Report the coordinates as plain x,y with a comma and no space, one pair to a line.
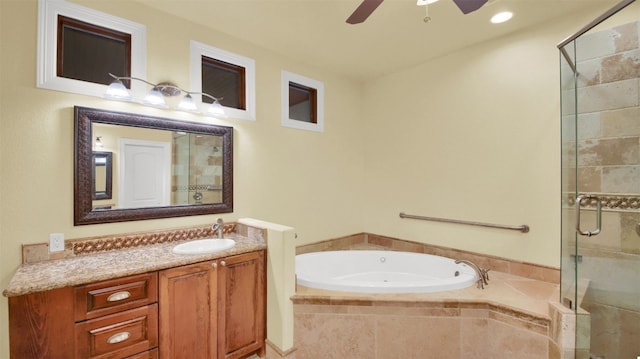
196,169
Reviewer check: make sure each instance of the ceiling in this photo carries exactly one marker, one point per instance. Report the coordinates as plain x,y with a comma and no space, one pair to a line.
393,37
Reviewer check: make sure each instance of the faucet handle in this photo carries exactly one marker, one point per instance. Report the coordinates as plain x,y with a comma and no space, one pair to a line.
485,275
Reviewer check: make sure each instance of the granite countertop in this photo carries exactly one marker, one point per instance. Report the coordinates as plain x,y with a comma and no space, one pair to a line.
52,274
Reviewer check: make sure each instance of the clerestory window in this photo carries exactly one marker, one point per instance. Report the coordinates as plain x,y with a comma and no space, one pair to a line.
227,76
78,47
302,102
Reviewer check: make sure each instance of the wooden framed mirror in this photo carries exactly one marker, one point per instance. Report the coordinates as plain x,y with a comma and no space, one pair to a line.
160,167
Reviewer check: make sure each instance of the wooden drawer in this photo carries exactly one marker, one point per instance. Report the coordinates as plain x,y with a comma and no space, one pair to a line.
111,296
118,335
151,354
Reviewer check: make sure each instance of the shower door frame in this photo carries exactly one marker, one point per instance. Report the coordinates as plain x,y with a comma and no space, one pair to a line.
570,187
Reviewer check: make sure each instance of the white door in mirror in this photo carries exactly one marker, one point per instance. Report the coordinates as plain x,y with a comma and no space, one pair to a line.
203,246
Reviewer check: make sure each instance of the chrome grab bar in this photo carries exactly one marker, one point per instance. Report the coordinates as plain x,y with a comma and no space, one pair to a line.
598,215
523,228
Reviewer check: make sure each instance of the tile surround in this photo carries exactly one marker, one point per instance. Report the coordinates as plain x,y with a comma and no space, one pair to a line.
416,329
368,240
513,319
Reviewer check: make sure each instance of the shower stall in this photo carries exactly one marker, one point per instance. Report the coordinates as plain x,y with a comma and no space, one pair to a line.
600,265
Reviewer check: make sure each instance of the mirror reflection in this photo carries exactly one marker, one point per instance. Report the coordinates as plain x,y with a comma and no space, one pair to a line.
102,175
160,167
156,167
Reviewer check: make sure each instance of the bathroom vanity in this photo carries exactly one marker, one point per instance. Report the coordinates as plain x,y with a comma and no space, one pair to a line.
185,307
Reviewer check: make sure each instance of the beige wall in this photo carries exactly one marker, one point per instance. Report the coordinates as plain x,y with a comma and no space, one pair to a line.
307,180
473,135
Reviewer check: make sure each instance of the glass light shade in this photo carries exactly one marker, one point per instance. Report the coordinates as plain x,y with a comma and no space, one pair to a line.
187,104
501,17
154,98
118,91
216,110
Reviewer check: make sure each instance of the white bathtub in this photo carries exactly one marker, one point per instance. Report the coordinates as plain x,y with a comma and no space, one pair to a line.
372,271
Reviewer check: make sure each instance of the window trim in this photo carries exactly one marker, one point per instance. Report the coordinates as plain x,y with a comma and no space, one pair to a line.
47,78
197,50
289,77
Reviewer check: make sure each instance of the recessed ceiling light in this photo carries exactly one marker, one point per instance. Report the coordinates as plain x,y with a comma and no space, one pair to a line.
501,17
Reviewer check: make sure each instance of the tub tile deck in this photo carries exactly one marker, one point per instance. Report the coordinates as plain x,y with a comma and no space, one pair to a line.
508,319
510,292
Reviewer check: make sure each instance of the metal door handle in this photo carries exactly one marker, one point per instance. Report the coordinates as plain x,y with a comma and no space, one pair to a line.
598,215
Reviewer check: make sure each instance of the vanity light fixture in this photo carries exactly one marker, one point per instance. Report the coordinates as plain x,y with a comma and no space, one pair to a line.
99,142
156,97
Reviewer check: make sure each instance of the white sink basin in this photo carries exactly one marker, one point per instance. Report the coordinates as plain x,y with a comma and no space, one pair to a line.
202,246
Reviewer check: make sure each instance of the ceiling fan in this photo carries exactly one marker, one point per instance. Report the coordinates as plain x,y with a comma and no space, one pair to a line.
367,7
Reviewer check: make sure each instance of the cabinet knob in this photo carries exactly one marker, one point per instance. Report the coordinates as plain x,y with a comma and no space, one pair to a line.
214,265
223,263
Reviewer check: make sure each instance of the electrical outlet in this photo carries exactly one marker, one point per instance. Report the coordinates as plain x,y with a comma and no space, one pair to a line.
56,242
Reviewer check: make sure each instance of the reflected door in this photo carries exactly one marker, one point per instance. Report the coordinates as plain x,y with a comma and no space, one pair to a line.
145,173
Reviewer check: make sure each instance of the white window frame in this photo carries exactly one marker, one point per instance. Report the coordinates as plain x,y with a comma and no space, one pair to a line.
305,81
198,50
48,11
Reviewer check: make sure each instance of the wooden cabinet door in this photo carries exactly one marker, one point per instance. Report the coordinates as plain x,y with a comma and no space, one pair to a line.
241,305
41,325
187,311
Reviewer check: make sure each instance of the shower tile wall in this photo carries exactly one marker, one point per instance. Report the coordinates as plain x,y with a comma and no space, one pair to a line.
608,161
608,100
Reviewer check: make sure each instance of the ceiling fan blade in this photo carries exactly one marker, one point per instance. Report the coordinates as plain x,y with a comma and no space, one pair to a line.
363,11
467,6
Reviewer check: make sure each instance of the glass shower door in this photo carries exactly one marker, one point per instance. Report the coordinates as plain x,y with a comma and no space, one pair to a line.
600,269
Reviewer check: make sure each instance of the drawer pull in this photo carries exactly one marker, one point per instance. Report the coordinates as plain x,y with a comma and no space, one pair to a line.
223,263
118,296
118,338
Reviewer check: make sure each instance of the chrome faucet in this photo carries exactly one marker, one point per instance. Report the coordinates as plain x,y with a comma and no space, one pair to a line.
483,274
218,227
